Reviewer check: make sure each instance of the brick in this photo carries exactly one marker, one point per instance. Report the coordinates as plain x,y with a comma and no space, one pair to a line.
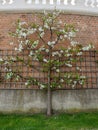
87,25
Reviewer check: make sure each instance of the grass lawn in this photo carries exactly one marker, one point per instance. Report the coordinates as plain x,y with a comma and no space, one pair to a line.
77,121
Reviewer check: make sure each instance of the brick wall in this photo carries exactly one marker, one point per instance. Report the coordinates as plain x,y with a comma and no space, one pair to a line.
87,25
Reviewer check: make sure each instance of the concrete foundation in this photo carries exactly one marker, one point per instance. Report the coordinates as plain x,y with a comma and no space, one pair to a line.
35,101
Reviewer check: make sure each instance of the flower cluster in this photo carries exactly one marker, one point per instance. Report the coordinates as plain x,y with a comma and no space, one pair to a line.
74,79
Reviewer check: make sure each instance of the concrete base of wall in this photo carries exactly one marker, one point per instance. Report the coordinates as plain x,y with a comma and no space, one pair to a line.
35,101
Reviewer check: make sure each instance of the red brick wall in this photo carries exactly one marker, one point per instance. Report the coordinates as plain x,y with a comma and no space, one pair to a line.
87,25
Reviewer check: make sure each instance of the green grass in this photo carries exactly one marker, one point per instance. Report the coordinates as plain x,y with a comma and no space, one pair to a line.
77,121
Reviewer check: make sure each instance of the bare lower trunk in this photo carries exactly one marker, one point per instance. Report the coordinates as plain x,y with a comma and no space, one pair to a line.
49,103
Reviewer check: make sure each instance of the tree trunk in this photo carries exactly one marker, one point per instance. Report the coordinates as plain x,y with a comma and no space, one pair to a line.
49,98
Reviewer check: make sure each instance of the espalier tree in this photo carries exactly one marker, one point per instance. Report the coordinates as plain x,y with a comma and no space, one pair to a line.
42,41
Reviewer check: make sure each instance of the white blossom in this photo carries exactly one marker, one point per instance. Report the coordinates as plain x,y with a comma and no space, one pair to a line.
35,58
54,68
49,20
42,34
73,86
22,23
1,59
61,80
40,29
35,44
61,51
69,76
68,54
31,31
41,48
13,58
9,75
26,42
23,34
57,70
42,86
9,70
46,26
6,69
54,53
61,37
65,36
16,48
72,34
6,62
79,53
53,28
50,86
47,50
31,53
20,48
74,43
45,60
59,86
69,65
82,77
86,48
75,82
26,83
81,82
59,54
78,68
17,78
62,30
51,43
